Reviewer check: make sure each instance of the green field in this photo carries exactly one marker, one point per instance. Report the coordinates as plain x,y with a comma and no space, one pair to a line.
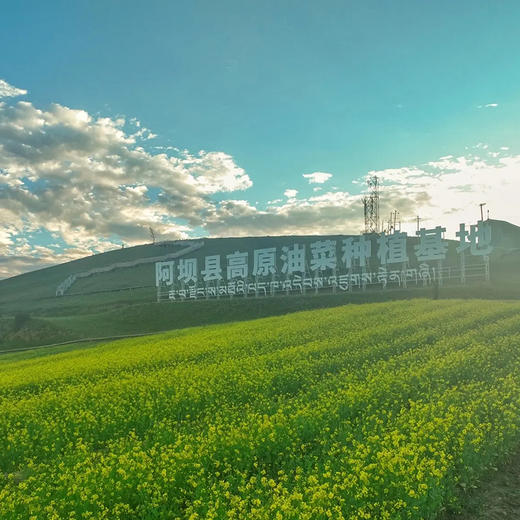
382,411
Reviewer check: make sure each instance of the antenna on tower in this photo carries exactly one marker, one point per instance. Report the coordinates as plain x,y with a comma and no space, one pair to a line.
371,205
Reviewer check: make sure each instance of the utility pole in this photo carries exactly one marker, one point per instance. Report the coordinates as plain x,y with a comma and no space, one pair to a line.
418,222
392,222
152,234
482,204
395,219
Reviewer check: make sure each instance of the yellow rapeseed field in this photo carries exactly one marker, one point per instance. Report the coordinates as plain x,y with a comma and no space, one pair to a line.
377,411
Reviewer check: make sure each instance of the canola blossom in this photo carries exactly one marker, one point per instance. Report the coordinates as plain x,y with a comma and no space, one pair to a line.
377,411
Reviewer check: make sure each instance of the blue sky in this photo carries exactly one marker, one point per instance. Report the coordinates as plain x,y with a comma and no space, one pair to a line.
281,89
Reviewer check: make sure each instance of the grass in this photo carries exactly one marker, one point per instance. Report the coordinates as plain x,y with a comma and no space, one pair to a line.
38,352
384,410
104,317
110,315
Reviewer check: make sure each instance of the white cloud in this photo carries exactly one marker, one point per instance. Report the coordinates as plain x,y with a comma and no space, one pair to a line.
317,177
28,258
336,212
443,192
449,190
290,194
7,90
87,181
5,237
488,105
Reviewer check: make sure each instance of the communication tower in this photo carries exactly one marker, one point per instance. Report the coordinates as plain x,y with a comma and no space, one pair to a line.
371,206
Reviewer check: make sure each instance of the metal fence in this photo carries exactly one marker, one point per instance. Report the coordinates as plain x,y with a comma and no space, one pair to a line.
361,280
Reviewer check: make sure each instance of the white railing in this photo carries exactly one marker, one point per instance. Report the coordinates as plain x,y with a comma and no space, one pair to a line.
64,286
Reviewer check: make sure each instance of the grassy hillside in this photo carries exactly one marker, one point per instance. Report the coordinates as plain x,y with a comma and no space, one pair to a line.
111,319
121,301
35,292
382,411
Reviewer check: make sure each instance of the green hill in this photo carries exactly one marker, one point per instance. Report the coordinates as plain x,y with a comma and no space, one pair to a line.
107,299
